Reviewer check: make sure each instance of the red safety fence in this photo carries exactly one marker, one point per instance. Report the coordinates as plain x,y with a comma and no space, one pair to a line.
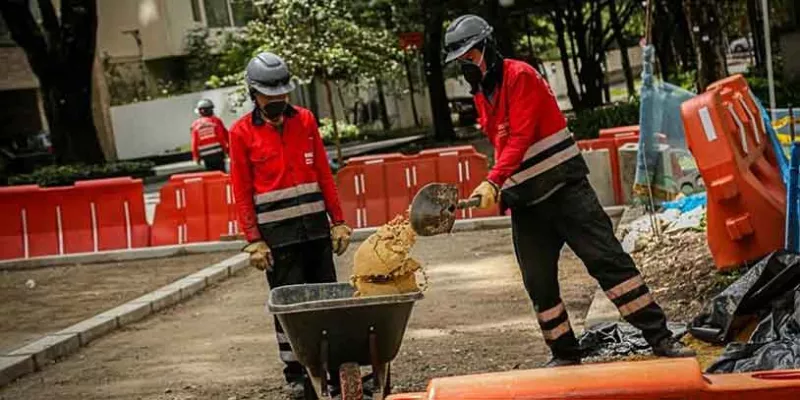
746,195
103,214
197,207
374,189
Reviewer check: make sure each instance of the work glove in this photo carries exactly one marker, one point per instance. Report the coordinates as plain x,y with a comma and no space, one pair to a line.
487,192
260,255
340,235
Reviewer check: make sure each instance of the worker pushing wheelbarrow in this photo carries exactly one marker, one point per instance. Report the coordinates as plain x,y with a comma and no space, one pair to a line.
331,330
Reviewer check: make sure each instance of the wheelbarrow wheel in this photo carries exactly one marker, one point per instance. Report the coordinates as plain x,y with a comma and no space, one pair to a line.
350,380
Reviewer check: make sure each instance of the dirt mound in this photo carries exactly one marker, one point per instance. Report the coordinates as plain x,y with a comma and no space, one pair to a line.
383,265
680,272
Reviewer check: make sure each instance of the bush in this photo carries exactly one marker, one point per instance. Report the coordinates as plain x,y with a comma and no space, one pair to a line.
65,175
786,92
587,124
347,132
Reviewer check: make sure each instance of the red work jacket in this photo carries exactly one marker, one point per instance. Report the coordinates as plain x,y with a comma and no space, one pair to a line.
534,151
282,182
209,136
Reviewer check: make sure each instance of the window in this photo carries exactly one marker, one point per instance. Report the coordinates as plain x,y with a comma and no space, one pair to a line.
227,13
196,16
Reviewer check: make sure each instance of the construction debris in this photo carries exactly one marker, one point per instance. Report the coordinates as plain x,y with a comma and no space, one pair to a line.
676,264
382,263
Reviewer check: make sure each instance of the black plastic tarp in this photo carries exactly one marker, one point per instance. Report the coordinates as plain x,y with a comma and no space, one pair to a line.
775,344
619,339
750,295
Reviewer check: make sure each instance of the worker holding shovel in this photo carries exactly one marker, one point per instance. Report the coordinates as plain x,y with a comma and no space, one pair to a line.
286,197
540,175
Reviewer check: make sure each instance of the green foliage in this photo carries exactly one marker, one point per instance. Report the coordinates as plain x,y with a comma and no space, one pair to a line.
347,132
64,175
316,39
587,124
786,92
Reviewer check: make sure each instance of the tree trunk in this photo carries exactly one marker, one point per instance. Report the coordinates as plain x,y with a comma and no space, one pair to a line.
708,43
756,29
411,90
498,18
434,19
387,125
623,47
558,22
336,141
62,57
341,102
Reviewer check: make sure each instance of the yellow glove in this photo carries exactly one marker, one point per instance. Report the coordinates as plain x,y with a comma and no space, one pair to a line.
340,235
487,192
260,255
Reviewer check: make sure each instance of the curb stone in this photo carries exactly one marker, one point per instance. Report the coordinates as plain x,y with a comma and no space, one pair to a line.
49,348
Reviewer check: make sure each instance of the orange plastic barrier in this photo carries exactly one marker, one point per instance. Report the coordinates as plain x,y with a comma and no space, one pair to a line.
746,195
196,207
643,380
373,189
619,131
104,214
612,143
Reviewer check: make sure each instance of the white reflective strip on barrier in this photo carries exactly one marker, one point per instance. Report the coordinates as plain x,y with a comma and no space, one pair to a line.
25,244
355,183
94,227
366,223
228,194
128,235
708,126
470,212
363,187
460,172
370,162
414,175
178,199
180,234
466,163
358,217
60,231
448,153
760,117
753,123
742,133
408,177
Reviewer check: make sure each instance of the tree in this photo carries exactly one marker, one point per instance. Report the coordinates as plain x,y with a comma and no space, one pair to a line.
432,56
61,52
708,40
318,40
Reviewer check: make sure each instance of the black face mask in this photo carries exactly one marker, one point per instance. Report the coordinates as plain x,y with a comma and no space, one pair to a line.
273,110
472,74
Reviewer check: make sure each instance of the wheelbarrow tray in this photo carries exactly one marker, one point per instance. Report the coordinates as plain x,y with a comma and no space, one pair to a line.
327,326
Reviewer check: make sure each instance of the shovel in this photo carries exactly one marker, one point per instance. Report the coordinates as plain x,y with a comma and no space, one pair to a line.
433,210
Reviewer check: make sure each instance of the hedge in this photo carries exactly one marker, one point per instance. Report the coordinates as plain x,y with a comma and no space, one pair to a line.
587,124
65,175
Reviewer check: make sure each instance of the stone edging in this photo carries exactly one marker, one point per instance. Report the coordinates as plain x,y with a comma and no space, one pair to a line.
35,355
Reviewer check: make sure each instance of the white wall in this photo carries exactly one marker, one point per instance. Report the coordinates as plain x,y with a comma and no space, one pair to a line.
159,126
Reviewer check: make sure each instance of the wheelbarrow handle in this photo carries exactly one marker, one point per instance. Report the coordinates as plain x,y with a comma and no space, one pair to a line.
469,203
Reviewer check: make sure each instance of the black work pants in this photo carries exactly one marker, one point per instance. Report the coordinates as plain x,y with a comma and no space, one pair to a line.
215,162
573,215
307,262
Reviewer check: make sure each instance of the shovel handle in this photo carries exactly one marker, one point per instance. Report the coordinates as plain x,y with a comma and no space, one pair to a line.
468,203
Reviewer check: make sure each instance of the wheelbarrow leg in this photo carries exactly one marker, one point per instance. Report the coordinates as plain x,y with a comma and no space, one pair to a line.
318,375
380,371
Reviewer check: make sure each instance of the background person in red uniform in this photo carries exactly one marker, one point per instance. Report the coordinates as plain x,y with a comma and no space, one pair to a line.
540,174
285,193
209,137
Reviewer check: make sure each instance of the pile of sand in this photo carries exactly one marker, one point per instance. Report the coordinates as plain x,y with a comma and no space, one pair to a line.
382,263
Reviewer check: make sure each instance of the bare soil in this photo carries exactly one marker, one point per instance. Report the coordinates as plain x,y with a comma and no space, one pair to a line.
36,302
475,317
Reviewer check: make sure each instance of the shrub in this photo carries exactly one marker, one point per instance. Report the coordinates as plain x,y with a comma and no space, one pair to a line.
65,175
587,124
347,132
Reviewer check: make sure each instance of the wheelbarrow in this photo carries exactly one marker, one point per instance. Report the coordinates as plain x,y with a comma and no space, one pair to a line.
330,330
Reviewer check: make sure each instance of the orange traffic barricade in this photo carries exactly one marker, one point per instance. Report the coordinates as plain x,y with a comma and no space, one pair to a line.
746,195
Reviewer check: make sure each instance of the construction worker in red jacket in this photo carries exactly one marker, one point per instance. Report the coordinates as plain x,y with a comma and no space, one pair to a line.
540,175
285,193
209,137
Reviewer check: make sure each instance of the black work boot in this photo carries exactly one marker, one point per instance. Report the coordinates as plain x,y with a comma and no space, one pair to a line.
562,362
671,348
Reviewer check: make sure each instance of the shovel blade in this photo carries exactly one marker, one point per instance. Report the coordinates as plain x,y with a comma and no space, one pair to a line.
433,210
